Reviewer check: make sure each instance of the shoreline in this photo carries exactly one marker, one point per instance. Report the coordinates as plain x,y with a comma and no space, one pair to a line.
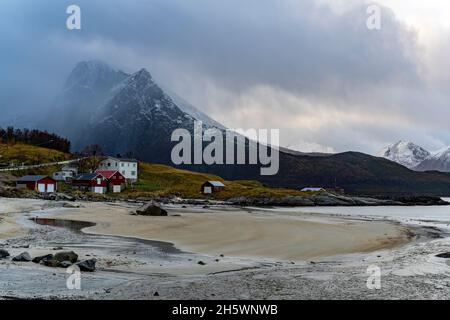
128,268
240,232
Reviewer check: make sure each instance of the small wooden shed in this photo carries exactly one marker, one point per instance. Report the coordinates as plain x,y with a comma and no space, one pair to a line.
212,187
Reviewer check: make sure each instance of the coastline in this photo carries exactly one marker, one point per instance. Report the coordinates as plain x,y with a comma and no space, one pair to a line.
129,268
239,232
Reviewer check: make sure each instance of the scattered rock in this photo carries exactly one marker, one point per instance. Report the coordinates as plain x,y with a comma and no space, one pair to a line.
151,210
65,264
156,294
23,257
52,263
57,248
201,263
41,258
3,254
445,255
87,265
66,256
71,205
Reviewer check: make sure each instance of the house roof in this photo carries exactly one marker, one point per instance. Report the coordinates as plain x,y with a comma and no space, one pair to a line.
122,159
216,183
107,173
31,178
87,176
312,189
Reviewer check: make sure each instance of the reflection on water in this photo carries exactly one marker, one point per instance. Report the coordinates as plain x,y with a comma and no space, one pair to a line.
69,224
104,241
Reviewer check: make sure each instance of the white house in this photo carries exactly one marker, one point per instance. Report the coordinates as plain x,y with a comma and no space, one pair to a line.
127,167
66,173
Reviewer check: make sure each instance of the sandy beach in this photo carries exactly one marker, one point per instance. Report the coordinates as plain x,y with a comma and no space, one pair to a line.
240,233
246,253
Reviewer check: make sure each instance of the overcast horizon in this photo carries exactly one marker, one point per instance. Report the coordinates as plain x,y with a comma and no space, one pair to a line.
311,68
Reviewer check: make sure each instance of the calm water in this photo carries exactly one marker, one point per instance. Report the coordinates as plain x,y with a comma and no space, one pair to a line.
424,215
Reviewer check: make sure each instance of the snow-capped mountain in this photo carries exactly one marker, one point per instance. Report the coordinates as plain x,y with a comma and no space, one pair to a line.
407,154
96,94
439,161
139,118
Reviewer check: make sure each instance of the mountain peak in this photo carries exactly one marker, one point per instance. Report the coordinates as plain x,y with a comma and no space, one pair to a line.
405,153
93,74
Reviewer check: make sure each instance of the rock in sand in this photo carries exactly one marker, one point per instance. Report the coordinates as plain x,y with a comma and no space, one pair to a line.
23,257
3,254
87,265
151,210
66,256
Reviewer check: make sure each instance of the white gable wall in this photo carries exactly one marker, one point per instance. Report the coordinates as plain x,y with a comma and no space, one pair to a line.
128,169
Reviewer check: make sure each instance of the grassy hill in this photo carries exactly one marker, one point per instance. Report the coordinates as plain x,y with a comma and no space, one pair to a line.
19,153
161,180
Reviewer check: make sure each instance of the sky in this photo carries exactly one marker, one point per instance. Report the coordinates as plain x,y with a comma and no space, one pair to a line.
310,68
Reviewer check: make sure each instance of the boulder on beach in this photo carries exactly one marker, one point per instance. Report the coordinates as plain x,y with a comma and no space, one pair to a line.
23,257
445,255
66,256
3,254
151,210
42,258
87,265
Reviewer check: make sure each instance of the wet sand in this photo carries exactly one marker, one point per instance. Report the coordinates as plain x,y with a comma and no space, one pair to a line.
238,233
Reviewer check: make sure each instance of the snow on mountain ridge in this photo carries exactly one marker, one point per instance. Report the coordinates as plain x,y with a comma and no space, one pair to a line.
407,154
438,161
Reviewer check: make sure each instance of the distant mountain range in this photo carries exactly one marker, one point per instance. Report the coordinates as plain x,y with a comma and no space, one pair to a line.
130,114
417,158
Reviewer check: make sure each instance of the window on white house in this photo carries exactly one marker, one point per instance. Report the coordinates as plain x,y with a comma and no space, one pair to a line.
123,172
121,164
133,173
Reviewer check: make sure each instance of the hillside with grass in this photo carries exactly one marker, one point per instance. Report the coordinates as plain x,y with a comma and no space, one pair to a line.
160,180
18,154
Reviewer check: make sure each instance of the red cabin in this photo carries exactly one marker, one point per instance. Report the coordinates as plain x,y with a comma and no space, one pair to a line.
116,180
91,182
43,184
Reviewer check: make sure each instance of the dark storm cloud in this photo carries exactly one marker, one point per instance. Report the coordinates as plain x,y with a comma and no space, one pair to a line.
298,47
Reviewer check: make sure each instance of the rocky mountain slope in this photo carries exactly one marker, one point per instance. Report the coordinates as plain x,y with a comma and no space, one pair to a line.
405,153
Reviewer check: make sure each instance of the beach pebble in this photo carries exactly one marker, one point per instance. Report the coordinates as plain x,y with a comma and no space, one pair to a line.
201,263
